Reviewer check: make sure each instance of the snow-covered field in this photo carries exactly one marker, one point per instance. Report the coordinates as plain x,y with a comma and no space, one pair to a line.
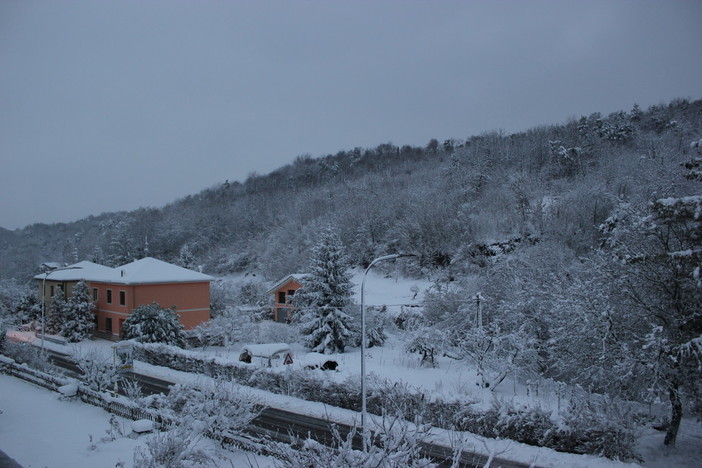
38,429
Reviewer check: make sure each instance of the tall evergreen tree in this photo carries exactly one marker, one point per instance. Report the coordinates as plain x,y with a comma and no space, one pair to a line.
122,249
28,309
324,297
79,317
56,315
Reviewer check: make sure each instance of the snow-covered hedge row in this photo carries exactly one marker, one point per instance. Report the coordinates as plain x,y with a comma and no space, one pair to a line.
584,429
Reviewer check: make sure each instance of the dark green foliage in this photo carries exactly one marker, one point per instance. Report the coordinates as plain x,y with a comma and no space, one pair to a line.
324,297
154,324
79,317
28,309
56,313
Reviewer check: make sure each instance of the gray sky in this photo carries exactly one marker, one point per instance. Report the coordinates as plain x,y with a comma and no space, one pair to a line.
108,106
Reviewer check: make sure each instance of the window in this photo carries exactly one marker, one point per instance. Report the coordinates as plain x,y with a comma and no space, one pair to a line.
108,324
52,290
95,294
281,297
290,292
122,298
109,296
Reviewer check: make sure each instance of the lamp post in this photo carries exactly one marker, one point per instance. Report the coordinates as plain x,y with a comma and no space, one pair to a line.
363,343
43,297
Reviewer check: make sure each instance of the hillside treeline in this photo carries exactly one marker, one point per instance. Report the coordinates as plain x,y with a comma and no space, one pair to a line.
455,203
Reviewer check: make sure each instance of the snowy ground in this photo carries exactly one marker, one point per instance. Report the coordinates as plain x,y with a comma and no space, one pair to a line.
38,429
451,380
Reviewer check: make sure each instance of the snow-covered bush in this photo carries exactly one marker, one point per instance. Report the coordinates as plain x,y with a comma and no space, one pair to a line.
605,429
98,372
428,342
25,353
176,448
153,324
394,445
218,410
270,332
375,326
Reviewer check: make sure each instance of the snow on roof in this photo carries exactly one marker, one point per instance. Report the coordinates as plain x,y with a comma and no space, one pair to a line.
269,350
295,276
78,271
144,271
151,270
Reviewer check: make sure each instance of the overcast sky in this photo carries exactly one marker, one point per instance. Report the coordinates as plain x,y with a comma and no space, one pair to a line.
108,106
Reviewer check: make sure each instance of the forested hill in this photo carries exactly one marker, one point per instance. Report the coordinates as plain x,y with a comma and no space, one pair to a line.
456,203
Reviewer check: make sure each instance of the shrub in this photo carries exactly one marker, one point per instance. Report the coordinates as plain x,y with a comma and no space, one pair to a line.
153,324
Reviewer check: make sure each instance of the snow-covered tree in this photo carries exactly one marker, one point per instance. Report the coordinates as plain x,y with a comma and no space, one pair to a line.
658,251
56,315
153,324
99,256
28,310
186,259
98,371
121,249
324,297
79,316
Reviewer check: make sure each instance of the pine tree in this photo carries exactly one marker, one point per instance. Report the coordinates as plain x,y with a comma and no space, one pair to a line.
186,259
79,318
324,296
121,246
153,324
56,315
28,309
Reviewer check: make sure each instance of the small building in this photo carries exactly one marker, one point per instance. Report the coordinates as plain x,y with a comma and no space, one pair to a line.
282,292
116,292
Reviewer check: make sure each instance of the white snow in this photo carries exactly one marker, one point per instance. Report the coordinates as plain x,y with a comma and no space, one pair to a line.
143,425
273,350
144,271
68,390
38,429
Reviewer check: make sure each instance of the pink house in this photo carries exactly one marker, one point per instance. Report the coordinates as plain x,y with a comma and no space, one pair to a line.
118,291
282,292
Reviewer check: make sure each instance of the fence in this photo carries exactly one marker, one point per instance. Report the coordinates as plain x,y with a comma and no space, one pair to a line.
125,409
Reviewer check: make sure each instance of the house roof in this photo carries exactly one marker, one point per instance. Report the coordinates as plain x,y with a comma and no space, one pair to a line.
144,271
150,270
295,276
84,270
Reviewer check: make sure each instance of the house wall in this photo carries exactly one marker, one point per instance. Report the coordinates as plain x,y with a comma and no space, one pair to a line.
192,302
282,311
66,285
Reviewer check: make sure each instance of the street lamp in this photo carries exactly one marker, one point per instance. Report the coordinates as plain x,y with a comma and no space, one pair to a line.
363,343
43,297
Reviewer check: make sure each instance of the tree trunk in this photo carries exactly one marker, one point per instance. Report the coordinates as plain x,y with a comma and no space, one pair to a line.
675,417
